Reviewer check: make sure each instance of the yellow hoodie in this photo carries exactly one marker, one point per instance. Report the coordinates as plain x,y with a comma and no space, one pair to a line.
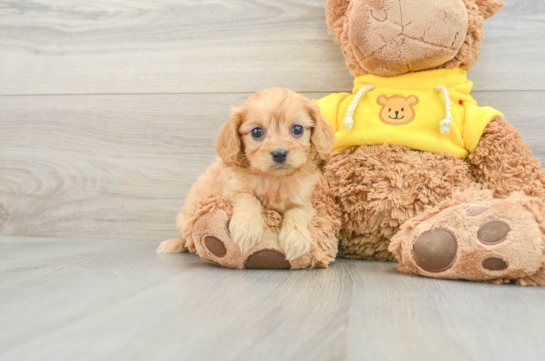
430,111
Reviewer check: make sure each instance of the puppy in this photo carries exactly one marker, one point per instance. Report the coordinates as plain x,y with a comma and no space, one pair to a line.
269,152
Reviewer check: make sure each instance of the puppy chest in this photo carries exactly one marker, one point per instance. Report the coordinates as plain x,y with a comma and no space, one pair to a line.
282,194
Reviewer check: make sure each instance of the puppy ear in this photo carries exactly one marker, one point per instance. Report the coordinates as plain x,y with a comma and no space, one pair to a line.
489,7
228,142
322,138
335,14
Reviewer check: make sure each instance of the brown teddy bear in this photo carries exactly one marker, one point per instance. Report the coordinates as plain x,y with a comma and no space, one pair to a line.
421,173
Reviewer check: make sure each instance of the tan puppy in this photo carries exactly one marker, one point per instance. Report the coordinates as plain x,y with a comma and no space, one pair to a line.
269,149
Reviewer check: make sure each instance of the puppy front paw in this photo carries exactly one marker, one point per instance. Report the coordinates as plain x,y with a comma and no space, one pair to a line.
295,241
246,230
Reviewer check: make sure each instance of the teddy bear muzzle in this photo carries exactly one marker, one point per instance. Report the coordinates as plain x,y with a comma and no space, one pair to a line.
414,34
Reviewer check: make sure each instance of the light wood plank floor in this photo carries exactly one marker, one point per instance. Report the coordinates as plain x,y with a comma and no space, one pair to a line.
108,112
75,299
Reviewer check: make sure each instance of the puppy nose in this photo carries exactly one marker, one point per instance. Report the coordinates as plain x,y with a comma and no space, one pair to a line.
397,113
279,155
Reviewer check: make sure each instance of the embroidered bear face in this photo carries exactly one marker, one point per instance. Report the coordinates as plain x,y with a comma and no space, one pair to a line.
397,110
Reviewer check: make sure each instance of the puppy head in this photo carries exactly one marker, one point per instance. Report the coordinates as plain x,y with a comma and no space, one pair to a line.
275,132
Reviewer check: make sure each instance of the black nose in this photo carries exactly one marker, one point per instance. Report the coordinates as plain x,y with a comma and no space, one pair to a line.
279,155
397,114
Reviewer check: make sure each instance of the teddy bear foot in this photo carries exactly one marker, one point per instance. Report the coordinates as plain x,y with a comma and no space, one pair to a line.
499,241
213,243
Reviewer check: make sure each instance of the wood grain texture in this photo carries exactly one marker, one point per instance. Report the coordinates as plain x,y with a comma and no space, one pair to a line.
120,166
201,46
108,112
117,300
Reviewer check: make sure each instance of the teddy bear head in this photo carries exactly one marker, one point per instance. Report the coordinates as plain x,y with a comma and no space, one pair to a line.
394,37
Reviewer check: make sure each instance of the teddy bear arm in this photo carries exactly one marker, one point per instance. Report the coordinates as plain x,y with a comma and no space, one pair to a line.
504,163
206,231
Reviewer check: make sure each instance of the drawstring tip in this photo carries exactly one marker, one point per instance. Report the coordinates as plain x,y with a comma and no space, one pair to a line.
445,124
348,124
445,127
349,120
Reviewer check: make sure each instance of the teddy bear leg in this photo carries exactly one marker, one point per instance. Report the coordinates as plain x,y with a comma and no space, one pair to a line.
379,188
323,231
478,238
205,230
210,234
213,242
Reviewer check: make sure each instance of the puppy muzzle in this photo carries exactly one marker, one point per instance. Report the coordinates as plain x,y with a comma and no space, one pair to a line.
279,156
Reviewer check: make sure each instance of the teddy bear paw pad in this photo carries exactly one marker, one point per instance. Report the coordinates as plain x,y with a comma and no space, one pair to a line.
215,246
495,264
435,251
267,259
213,241
493,232
477,211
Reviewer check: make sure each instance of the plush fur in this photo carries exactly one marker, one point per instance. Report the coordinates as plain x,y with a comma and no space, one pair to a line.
381,187
504,164
254,191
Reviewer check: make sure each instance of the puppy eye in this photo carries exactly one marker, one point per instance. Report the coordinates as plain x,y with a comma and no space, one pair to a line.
402,109
257,133
297,130
390,109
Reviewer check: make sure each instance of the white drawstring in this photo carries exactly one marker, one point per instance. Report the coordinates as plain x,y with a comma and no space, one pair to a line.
349,120
446,123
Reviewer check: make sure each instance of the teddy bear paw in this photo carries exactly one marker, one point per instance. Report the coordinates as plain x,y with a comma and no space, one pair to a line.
497,240
214,243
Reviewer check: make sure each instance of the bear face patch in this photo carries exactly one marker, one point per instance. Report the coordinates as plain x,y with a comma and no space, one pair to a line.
397,110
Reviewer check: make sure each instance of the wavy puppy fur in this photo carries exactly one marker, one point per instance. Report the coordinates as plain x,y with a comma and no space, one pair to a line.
251,179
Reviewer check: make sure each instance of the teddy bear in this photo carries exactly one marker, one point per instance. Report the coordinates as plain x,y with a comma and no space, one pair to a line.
422,174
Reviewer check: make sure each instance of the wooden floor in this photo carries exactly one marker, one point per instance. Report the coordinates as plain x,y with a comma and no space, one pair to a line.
108,112
74,299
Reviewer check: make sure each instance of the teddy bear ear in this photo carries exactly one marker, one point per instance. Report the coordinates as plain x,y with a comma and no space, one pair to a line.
413,100
382,100
335,13
489,7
